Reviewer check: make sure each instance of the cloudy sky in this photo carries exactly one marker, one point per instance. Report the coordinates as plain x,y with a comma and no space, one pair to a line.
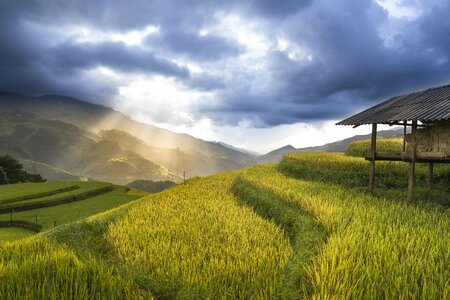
258,74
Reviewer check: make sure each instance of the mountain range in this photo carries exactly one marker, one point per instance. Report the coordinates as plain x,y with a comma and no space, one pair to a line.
64,138
338,146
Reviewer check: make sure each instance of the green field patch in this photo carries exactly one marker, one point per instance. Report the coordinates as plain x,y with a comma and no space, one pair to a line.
85,190
62,214
12,233
18,190
39,195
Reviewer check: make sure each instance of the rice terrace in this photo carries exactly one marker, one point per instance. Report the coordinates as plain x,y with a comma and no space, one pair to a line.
225,150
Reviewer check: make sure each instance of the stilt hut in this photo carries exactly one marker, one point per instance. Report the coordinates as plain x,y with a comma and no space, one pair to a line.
427,113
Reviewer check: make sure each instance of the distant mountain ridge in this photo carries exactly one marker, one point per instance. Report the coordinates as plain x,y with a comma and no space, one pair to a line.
201,157
338,146
63,151
66,137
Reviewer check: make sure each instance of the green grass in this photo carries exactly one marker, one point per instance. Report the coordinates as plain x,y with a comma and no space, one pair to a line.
11,234
362,148
74,211
16,190
84,190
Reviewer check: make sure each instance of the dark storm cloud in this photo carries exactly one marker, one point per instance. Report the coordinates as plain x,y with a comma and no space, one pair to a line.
276,8
115,55
352,65
352,53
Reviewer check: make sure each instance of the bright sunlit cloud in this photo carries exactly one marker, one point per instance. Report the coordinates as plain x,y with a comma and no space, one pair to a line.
400,8
131,38
158,100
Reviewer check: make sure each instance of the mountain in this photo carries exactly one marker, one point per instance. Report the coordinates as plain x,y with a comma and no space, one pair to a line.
94,118
245,151
185,162
68,148
275,155
48,172
339,146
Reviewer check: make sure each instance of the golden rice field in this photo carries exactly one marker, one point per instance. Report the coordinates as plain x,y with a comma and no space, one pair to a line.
292,230
195,242
362,148
42,269
376,248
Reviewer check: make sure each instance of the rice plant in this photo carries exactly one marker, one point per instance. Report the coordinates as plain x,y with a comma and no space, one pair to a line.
362,148
377,248
194,241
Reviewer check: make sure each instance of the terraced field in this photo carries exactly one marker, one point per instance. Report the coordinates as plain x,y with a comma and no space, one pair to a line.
13,192
32,207
306,228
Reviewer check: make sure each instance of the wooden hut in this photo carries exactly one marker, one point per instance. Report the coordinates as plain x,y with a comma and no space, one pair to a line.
427,112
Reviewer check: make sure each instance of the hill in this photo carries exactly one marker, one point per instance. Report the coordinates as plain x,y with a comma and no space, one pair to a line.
305,228
338,146
73,150
179,160
94,118
49,172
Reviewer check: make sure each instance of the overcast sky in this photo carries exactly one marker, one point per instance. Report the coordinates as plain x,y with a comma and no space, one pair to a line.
258,74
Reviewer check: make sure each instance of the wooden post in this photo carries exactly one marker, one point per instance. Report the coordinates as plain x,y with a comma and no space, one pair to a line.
412,164
373,151
430,175
404,136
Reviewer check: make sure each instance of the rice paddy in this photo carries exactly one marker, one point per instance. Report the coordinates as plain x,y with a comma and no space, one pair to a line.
304,228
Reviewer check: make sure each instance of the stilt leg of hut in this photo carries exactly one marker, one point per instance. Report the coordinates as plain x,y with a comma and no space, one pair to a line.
430,175
412,164
404,136
373,150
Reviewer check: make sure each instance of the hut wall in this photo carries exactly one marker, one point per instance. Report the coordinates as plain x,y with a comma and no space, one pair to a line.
434,138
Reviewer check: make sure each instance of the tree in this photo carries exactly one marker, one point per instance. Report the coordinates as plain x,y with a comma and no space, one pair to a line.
13,171
3,178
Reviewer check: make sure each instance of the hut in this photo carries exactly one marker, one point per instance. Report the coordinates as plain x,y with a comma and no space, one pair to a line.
427,113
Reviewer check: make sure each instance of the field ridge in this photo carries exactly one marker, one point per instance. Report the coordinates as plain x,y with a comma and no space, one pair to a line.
39,195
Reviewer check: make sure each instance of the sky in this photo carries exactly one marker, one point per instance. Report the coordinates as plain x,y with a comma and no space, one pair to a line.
258,74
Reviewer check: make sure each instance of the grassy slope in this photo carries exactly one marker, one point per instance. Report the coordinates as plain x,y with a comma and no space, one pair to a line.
246,253
194,241
377,246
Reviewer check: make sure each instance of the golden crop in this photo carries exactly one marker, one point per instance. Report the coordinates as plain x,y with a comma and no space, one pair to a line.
377,248
362,148
195,241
